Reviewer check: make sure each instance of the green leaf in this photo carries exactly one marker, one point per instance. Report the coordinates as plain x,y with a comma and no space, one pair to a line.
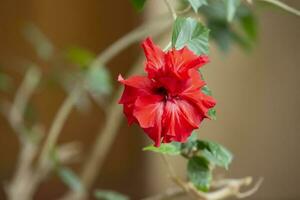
98,80
196,4
138,4
215,153
212,113
70,179
206,90
248,23
199,173
231,7
189,148
109,195
168,148
39,41
80,56
189,32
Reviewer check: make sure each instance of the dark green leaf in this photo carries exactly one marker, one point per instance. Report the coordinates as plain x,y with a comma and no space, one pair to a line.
231,7
138,4
109,195
248,24
70,179
221,33
98,80
190,147
169,148
39,41
215,153
196,4
80,56
199,173
189,32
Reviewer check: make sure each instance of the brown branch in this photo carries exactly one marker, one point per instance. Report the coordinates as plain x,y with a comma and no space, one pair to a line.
225,188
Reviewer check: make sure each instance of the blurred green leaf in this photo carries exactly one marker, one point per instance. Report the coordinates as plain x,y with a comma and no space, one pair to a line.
196,4
5,82
212,113
189,148
248,22
39,41
109,195
99,80
168,148
70,179
138,4
206,90
199,173
80,56
215,153
189,32
231,7
242,30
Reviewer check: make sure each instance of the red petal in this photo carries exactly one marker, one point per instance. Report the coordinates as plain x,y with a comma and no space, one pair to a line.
196,81
180,119
148,111
201,100
155,57
181,61
134,87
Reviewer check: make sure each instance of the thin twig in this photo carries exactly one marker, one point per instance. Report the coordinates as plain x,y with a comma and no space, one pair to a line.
171,9
150,28
19,185
283,6
185,10
228,188
58,123
22,96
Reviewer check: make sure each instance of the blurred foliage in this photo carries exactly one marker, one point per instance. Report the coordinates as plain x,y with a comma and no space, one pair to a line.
39,41
241,29
138,4
6,82
70,179
109,195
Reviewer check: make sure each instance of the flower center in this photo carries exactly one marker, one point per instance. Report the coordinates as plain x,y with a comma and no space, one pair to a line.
161,91
164,92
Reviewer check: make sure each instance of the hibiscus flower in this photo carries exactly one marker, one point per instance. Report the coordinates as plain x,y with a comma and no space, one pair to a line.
167,103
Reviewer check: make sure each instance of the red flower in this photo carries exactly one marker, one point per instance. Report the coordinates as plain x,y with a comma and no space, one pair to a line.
168,103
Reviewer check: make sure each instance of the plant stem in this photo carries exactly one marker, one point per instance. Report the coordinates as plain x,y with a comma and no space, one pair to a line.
283,6
171,9
58,123
130,38
23,94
